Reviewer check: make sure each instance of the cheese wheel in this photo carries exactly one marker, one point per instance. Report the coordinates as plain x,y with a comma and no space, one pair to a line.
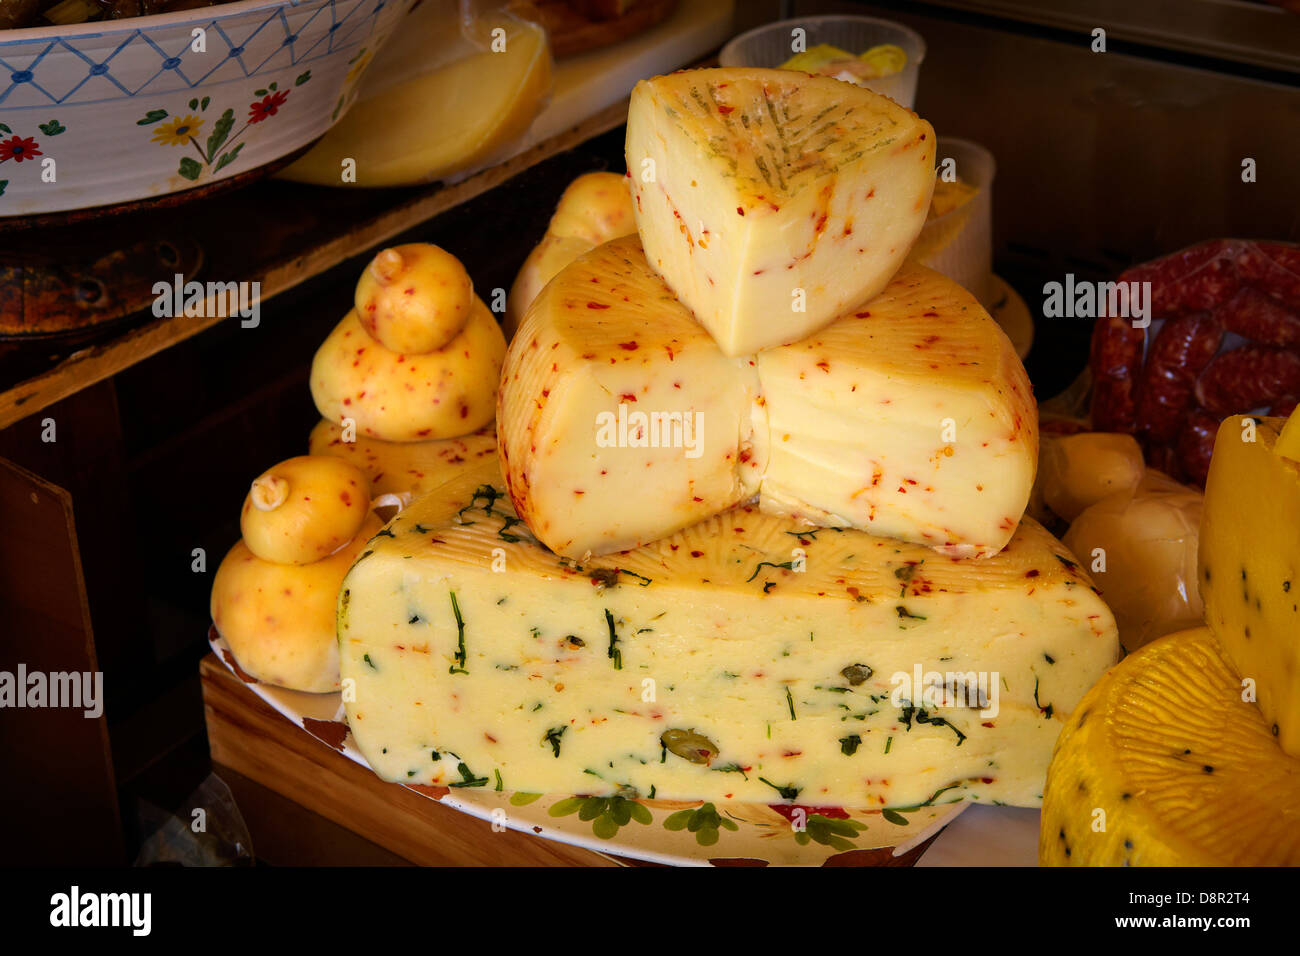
396,397
773,201
406,467
414,298
742,658
304,509
279,619
911,416
1164,764
595,208
1250,561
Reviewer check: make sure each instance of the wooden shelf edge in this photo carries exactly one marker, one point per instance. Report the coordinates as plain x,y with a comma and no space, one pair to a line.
99,362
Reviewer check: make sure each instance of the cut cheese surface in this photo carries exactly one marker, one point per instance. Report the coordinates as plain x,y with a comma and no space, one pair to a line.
406,467
1249,563
911,417
603,348
434,104
1164,764
740,659
773,201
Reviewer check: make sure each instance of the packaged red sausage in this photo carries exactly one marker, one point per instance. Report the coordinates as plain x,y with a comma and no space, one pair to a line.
1224,339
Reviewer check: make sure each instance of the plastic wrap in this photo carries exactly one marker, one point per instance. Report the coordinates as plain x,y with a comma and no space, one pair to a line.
1140,548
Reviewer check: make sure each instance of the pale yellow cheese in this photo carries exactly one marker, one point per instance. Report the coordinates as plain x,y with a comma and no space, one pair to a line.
595,208
445,393
279,619
911,416
772,201
741,659
604,344
434,104
405,467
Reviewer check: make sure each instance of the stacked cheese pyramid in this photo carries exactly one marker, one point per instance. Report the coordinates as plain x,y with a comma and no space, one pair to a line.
760,535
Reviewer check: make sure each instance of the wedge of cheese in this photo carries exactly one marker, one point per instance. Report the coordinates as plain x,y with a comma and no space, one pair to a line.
910,416
1164,764
1249,562
772,201
741,659
620,421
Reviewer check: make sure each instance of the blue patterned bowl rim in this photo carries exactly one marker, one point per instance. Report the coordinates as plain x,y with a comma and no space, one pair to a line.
161,21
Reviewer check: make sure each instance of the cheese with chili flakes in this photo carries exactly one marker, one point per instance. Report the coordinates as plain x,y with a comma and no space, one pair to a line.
739,659
771,201
910,416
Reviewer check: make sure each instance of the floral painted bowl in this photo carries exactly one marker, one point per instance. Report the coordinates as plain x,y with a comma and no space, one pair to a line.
109,112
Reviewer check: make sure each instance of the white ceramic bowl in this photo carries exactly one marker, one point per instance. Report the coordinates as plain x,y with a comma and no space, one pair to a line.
770,46
119,110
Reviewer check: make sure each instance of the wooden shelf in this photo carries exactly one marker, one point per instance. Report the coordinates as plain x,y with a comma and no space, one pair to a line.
279,234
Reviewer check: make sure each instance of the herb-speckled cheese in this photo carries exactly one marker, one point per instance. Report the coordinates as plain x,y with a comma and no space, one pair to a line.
741,659
772,201
910,416
1249,557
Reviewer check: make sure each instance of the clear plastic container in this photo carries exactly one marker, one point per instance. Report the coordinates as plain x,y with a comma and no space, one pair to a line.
960,243
772,44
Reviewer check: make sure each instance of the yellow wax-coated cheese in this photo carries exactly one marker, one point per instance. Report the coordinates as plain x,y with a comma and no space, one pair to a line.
773,201
1249,563
392,396
595,208
620,421
414,298
406,467
279,619
911,417
740,659
1079,470
304,509
1164,764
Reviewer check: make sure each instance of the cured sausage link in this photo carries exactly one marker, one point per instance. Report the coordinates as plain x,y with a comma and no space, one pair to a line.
1254,315
1116,361
1247,378
1181,350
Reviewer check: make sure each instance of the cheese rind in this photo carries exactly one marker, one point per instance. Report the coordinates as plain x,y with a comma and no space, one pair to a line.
1249,565
772,201
445,393
910,417
604,348
1164,764
405,467
475,651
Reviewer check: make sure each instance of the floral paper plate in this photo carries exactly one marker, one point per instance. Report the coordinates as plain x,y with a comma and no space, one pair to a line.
655,831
